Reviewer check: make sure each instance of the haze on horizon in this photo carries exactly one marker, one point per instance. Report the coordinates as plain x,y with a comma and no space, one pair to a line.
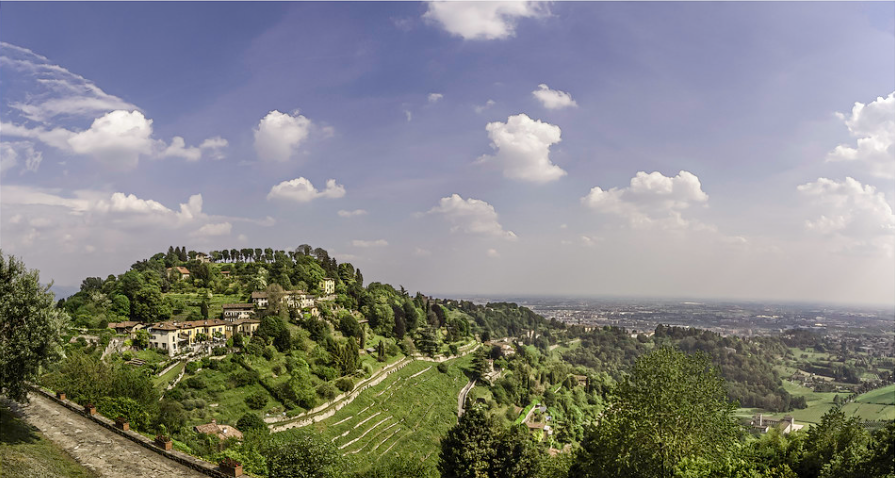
699,150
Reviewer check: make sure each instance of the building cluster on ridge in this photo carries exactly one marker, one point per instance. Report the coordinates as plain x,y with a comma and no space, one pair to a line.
175,336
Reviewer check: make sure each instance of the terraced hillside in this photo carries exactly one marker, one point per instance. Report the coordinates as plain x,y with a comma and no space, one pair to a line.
405,415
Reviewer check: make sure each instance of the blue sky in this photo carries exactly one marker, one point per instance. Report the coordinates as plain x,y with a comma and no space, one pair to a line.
664,149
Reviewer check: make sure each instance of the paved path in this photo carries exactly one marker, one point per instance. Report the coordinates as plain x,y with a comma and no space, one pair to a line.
100,450
461,398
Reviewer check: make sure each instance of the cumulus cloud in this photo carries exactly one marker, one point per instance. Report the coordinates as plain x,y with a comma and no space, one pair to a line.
874,127
278,135
480,108
553,99
651,199
523,149
482,20
55,91
211,146
116,138
210,230
356,212
435,97
301,190
376,243
850,209
472,216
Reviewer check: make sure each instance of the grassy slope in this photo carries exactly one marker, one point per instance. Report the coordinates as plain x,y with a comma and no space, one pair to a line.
24,453
416,411
876,404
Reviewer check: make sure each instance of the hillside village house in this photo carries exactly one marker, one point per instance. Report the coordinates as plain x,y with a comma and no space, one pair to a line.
327,286
762,424
203,258
221,431
296,299
127,327
183,272
238,311
172,337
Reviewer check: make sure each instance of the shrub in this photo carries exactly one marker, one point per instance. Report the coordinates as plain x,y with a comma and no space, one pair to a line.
251,422
126,408
206,362
254,349
269,352
191,367
326,373
443,367
345,384
327,390
244,377
218,351
196,382
257,400
278,369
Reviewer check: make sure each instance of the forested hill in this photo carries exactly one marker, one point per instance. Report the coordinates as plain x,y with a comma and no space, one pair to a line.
157,289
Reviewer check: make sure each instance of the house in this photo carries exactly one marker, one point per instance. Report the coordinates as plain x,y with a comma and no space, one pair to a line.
259,299
164,336
582,380
225,274
327,286
203,258
221,431
238,311
762,424
182,271
210,328
127,327
242,327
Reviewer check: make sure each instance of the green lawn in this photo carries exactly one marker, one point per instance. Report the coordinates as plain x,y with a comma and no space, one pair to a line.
405,415
818,404
24,453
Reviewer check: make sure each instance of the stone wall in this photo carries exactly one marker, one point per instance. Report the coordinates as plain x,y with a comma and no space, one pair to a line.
191,462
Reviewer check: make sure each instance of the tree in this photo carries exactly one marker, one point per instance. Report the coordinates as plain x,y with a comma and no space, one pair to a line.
30,327
303,454
469,448
141,339
673,406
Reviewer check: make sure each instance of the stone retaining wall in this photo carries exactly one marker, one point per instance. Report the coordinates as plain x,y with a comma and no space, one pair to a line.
191,462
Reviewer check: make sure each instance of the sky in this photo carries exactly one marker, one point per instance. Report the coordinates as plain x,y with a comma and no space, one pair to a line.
700,149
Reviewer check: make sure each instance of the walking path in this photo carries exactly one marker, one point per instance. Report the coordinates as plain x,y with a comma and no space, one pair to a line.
461,399
97,448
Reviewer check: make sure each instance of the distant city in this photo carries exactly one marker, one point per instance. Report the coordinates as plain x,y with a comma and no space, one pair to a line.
724,317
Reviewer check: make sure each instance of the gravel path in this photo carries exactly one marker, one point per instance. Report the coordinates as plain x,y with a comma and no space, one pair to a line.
98,449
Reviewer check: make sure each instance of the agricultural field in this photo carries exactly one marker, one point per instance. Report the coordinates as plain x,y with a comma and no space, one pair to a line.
874,405
818,404
406,415
25,453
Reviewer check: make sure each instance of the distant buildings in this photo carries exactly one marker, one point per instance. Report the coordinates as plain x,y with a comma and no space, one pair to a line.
762,424
173,337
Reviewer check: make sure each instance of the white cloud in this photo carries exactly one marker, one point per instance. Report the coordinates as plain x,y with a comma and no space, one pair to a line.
117,138
553,99
301,190
279,135
214,146
523,149
472,216
119,202
376,243
482,20
435,97
874,127
493,253
850,209
55,90
409,115
178,149
356,212
651,199
219,229
480,108
56,137
12,151
420,252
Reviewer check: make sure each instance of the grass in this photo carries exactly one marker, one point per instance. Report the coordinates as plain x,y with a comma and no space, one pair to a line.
169,376
215,305
818,404
876,404
405,415
25,453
